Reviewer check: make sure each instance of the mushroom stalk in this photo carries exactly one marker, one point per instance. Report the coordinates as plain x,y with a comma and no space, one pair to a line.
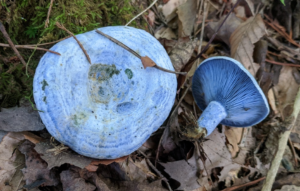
213,114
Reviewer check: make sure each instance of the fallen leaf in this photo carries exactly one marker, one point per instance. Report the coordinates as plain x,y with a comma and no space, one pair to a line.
11,162
147,62
71,181
169,9
289,188
242,40
23,118
93,166
165,33
36,168
234,136
186,16
181,53
137,171
272,101
285,94
227,29
2,134
69,157
185,172
151,18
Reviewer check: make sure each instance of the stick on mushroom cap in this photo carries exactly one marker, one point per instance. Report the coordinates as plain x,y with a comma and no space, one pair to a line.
109,108
228,94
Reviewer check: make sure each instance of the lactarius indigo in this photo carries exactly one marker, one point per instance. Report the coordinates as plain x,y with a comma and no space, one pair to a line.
109,108
228,94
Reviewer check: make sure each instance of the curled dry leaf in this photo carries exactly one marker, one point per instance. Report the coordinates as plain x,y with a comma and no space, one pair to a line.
11,162
186,16
151,17
165,33
227,29
234,136
36,168
169,9
242,40
285,91
147,62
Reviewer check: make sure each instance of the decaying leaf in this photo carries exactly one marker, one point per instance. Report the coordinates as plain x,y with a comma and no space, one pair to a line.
181,53
11,162
72,181
234,136
93,166
165,33
242,40
36,168
61,158
227,29
186,16
219,156
185,172
151,17
285,91
289,188
169,9
147,62
22,118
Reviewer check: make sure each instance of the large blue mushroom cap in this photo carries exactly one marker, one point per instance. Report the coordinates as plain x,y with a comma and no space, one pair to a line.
226,81
109,108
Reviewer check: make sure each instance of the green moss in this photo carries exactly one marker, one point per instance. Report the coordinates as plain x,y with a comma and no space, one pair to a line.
129,73
102,72
24,21
44,84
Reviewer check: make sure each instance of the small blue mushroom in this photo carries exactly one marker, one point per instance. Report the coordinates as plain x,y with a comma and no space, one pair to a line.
109,108
228,94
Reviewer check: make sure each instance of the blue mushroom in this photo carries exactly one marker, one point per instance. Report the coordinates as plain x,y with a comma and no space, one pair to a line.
228,94
109,108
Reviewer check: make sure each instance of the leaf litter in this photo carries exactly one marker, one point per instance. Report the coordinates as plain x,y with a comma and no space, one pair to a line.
228,158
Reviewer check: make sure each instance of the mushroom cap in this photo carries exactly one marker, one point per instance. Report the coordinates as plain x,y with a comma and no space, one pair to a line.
110,108
226,81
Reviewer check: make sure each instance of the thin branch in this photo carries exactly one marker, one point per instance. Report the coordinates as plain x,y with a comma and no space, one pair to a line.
136,54
282,143
30,47
213,37
81,46
282,64
11,44
294,152
141,12
48,15
157,171
44,44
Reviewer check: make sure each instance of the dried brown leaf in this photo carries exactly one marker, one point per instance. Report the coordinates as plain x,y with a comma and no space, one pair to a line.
242,40
234,136
285,91
11,162
93,166
147,62
186,18
61,158
227,29
36,168
185,172
169,9
71,181
165,33
151,17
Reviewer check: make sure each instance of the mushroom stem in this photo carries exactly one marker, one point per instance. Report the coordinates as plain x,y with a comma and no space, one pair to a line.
213,114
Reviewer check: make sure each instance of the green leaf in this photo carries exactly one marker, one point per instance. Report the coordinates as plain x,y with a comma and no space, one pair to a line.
282,1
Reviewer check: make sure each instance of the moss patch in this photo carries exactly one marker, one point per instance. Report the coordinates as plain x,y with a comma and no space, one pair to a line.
129,73
102,72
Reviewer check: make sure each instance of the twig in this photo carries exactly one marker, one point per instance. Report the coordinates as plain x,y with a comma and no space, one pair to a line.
136,54
282,143
48,15
34,45
155,169
141,12
214,35
84,51
203,24
11,44
294,153
282,64
29,47
244,185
